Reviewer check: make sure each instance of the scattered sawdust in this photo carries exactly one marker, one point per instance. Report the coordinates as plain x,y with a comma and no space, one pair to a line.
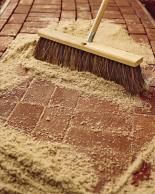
123,184
32,167
58,165
21,54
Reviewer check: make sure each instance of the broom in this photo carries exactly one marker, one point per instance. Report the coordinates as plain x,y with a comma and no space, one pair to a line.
74,52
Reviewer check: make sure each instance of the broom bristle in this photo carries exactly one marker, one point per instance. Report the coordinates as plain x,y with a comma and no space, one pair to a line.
65,56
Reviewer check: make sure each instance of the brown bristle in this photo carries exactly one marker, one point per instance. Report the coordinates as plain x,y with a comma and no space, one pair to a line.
65,56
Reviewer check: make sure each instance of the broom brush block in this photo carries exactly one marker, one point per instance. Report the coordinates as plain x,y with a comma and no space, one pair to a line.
94,48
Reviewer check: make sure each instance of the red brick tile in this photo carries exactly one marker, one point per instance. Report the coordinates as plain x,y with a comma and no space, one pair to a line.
126,10
45,8
95,7
32,27
22,9
8,101
86,139
4,42
95,104
141,13
6,106
53,124
140,38
68,15
133,22
25,2
17,18
42,19
68,5
25,116
147,23
122,3
110,14
153,46
91,113
46,15
39,92
84,15
136,29
2,23
38,24
47,2
118,21
10,29
81,1
65,97
30,30
112,8
151,34
132,17
98,121
83,7
111,3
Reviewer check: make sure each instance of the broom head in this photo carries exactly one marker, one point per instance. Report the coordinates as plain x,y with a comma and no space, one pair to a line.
74,52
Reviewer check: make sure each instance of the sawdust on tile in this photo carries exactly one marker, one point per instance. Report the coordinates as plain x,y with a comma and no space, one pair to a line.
123,184
20,55
58,175
28,166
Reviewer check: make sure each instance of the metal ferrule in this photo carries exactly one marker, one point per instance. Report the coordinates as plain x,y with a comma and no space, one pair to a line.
91,37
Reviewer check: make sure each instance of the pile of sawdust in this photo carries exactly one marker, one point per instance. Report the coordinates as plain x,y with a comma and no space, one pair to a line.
123,185
29,166
20,55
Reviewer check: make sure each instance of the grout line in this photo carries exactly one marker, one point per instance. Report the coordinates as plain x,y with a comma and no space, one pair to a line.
76,14
44,109
90,9
27,90
26,17
60,10
52,95
69,122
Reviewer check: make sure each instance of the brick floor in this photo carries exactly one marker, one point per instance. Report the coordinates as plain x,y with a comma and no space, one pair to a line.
50,112
17,18
91,124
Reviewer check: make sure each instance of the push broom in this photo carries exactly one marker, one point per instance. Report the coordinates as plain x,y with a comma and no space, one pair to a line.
78,54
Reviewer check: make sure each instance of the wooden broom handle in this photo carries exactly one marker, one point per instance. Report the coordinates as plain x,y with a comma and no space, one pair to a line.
97,20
